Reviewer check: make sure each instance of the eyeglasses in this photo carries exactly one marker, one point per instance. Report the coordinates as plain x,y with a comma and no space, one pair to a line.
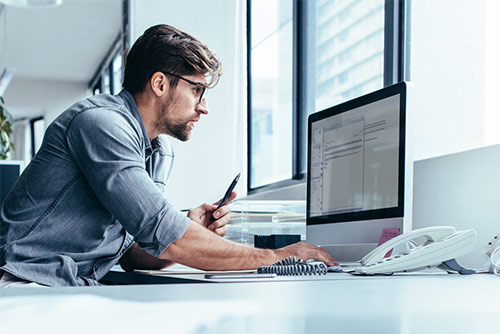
201,88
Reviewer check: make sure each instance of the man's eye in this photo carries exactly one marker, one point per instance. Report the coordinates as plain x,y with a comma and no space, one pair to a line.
197,90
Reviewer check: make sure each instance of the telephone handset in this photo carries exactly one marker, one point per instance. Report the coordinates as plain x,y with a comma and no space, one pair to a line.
440,243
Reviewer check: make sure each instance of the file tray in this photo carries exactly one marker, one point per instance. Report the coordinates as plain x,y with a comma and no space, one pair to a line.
249,218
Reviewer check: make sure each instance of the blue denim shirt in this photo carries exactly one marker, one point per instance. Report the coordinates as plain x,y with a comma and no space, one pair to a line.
95,186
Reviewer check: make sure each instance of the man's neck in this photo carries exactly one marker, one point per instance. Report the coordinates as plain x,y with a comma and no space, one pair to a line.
147,110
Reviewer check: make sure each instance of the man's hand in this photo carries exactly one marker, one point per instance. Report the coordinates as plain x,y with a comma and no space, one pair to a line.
204,213
305,251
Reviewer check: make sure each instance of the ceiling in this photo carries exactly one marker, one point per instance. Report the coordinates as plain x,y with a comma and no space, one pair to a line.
64,43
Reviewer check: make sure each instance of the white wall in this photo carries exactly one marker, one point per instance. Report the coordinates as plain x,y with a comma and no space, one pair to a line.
454,71
3,39
450,65
31,98
492,72
206,164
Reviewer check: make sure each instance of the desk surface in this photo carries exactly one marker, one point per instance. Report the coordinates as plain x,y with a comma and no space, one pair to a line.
395,304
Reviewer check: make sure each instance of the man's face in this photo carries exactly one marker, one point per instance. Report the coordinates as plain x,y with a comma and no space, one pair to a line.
182,108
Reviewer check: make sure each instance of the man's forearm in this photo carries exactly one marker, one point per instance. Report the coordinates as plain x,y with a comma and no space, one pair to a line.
136,258
201,248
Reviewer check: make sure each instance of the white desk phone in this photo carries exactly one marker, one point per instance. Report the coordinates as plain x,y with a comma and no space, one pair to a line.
437,244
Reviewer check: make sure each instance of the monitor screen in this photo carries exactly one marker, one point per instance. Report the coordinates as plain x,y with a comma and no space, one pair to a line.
356,159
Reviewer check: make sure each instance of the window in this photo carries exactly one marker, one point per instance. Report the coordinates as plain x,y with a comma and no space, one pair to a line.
108,79
116,72
37,130
308,56
271,84
109,75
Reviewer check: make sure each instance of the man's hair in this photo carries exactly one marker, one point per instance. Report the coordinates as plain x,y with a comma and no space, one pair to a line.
163,48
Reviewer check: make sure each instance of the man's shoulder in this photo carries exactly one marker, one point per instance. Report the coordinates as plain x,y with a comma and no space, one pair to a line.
102,101
100,113
107,100
103,110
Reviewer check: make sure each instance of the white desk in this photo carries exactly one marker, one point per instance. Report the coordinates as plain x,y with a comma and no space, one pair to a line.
394,304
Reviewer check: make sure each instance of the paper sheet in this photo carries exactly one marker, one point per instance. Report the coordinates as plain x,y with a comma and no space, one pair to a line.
189,271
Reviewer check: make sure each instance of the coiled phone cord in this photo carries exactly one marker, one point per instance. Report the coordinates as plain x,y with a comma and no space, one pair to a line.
291,266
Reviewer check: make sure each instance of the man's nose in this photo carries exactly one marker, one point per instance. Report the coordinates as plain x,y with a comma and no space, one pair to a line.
202,106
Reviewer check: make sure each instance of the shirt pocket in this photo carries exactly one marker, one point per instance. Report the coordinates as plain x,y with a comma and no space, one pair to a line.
159,164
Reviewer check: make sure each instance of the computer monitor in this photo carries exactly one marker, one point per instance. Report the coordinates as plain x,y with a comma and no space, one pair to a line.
356,172
9,173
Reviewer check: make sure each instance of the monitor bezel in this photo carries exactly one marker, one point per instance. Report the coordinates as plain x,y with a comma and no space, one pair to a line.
392,212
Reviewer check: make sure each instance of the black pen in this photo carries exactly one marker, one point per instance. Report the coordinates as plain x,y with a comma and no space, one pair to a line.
226,195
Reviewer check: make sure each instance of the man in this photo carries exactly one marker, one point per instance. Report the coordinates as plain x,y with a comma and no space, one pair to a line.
93,194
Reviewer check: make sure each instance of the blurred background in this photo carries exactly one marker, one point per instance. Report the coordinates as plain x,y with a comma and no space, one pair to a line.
282,59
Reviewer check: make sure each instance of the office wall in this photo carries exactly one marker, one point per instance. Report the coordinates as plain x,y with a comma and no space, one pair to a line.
449,68
492,72
26,97
206,164
31,98
3,38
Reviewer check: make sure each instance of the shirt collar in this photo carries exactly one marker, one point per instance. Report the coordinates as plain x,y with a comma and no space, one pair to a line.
132,107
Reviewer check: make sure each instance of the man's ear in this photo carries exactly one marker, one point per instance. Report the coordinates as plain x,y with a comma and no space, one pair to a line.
159,84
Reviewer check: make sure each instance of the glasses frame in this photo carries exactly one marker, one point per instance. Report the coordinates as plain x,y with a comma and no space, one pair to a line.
200,85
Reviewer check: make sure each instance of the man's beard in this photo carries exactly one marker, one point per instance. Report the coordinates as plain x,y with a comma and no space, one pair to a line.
177,129
180,130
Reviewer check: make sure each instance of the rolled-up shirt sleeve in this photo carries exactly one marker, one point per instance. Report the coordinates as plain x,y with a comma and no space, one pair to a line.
108,149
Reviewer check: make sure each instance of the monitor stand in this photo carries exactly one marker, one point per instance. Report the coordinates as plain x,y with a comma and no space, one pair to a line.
349,252
350,241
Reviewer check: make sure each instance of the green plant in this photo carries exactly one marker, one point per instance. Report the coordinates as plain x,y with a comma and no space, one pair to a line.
5,131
